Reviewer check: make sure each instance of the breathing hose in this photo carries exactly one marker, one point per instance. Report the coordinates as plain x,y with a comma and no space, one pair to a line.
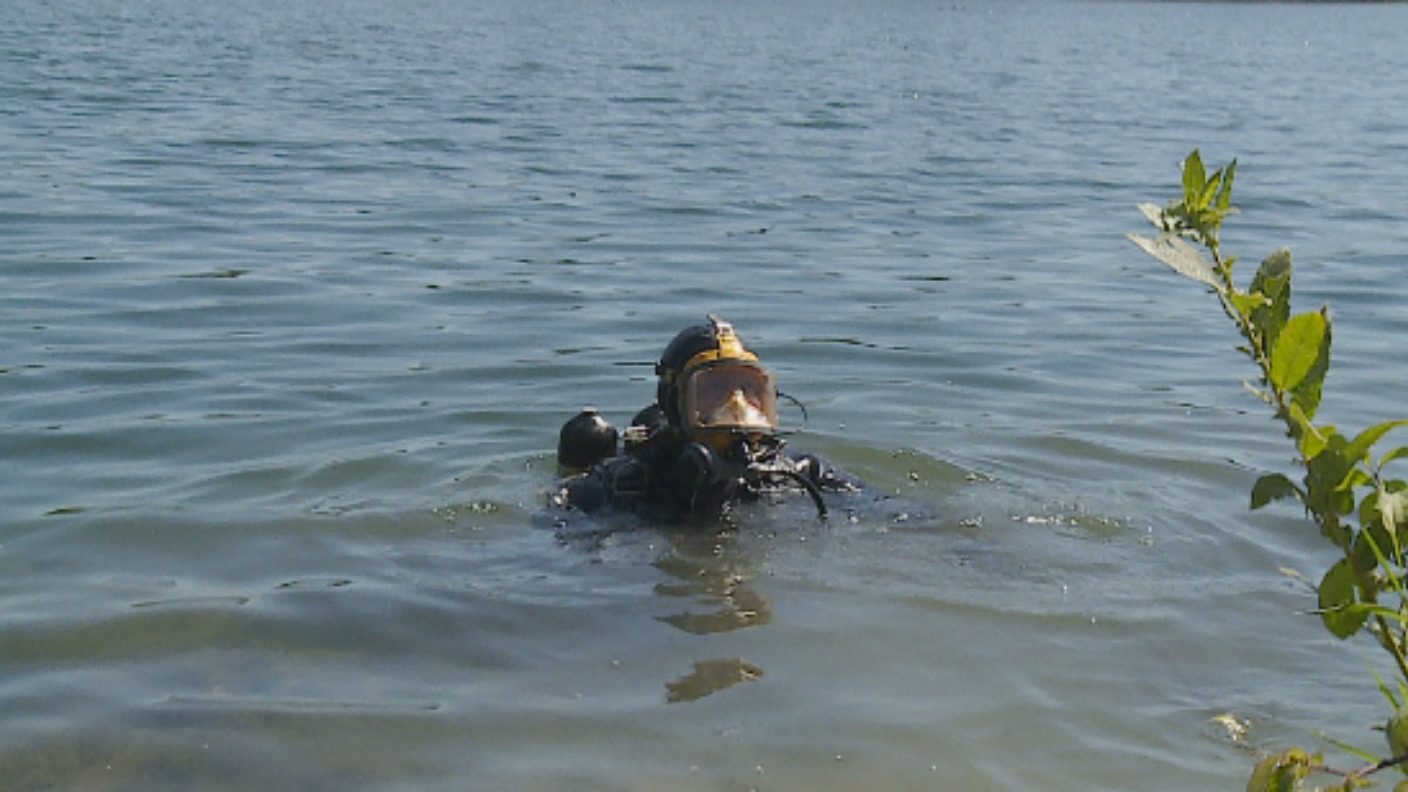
811,488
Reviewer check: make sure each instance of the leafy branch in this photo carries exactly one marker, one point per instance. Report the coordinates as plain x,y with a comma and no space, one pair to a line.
1343,487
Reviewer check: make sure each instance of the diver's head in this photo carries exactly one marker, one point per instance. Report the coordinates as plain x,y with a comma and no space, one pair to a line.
713,389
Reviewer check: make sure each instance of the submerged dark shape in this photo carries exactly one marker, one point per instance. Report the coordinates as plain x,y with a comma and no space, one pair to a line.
709,440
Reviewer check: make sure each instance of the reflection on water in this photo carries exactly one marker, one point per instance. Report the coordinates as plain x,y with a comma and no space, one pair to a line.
708,584
711,676
708,571
716,582
711,565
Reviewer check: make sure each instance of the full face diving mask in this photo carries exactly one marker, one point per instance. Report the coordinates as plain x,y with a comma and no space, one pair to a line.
722,398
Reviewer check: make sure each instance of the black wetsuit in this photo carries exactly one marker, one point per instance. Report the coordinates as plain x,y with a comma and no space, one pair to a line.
667,477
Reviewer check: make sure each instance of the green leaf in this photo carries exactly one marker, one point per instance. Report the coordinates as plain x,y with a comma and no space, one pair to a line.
1397,453
1337,595
1369,517
1396,730
1249,305
1301,344
1183,257
1307,393
1372,547
1359,447
1281,772
1276,267
1273,282
1273,487
1224,192
1358,478
1393,701
1194,177
1329,478
1367,609
1346,747
1311,438
1209,194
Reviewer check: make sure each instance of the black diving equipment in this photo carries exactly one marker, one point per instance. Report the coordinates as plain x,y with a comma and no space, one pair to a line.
710,438
753,465
586,439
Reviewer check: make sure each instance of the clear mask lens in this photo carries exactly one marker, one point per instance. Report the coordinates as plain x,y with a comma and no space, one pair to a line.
731,396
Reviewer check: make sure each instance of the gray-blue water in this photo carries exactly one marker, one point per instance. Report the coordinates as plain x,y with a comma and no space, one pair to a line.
294,297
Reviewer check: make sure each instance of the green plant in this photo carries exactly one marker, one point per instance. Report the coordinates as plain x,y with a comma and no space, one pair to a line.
1343,489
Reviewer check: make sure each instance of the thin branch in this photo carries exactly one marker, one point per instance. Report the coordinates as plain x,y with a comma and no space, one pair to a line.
1382,764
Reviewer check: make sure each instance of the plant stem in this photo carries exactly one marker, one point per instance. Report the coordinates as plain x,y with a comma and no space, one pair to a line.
1276,397
1393,645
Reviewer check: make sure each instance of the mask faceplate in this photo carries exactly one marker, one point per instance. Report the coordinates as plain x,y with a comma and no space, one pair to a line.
730,395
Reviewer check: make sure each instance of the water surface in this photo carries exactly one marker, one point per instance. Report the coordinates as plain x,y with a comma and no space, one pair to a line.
297,295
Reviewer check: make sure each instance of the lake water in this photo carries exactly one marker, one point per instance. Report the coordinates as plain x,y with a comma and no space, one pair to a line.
297,294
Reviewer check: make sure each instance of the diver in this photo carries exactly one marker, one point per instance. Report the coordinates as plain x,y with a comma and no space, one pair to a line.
710,440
